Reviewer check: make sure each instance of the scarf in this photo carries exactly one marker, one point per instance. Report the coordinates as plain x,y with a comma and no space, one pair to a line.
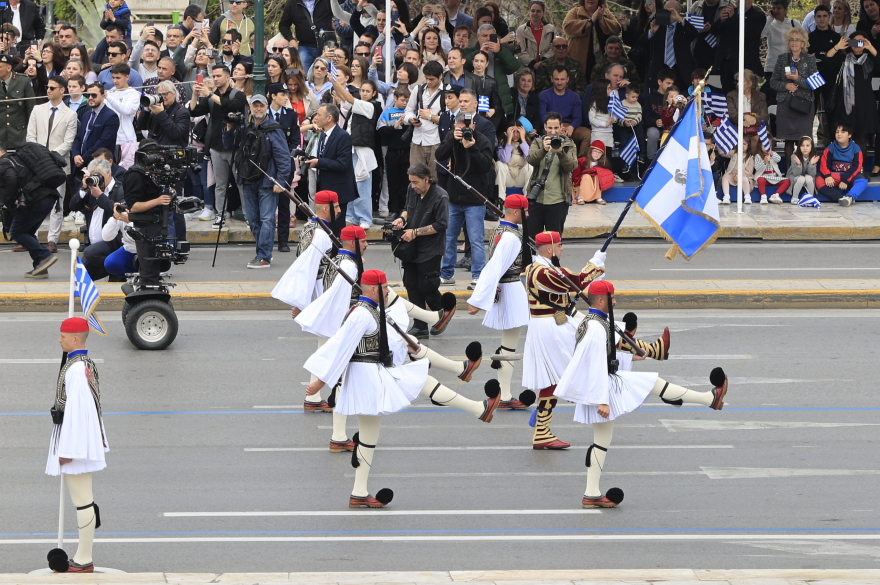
849,75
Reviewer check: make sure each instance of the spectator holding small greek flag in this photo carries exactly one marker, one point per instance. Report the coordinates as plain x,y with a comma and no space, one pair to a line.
704,15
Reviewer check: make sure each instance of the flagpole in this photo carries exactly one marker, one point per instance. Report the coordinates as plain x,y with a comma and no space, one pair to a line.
740,115
74,246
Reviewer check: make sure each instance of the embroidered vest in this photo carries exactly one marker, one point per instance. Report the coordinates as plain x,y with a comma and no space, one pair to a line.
611,356
515,269
61,393
367,350
333,270
305,240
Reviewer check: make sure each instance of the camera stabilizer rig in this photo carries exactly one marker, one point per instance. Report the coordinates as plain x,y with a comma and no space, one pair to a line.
147,314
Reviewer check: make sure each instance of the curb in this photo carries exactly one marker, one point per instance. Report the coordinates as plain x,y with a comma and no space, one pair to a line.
641,299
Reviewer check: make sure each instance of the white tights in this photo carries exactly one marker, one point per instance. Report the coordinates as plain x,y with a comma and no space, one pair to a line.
80,488
509,339
316,397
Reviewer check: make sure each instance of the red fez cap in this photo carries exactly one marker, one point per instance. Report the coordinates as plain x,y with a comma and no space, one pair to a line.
598,145
352,232
545,238
74,325
325,197
601,287
371,277
516,201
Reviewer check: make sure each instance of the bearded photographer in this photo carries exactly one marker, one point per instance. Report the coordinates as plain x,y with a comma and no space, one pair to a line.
145,199
553,157
96,199
166,122
469,153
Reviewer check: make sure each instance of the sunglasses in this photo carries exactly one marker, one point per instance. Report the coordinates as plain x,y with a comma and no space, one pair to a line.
319,68
293,71
560,46
109,54
237,2
93,95
278,49
228,41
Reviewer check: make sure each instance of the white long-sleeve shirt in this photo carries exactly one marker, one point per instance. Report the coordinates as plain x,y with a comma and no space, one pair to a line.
428,134
126,103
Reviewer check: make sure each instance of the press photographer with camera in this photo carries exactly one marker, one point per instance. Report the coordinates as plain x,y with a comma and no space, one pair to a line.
165,119
98,195
423,223
260,143
220,103
553,157
470,154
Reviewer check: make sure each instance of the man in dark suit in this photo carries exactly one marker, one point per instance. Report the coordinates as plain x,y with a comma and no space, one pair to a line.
279,100
98,130
727,54
333,161
670,46
32,26
16,103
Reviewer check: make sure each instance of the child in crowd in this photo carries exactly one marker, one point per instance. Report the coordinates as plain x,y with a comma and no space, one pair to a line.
675,103
630,126
730,177
390,130
840,168
601,120
596,175
802,170
767,173
117,11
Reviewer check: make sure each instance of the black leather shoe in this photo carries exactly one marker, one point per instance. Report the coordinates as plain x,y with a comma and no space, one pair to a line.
418,333
283,248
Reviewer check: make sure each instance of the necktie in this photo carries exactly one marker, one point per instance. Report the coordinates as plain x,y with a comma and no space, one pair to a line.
51,121
669,57
3,83
321,144
88,128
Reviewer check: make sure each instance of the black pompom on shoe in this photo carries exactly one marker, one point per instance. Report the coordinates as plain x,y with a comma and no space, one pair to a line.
527,397
615,494
448,301
385,496
474,351
492,388
58,560
631,321
717,377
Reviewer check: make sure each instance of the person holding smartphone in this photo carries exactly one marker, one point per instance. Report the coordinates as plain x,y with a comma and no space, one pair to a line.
854,102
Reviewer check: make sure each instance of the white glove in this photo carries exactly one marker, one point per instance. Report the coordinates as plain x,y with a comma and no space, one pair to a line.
598,258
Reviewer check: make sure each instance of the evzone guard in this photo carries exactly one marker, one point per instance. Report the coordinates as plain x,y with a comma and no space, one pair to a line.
324,316
303,282
499,291
379,379
78,442
599,381
553,321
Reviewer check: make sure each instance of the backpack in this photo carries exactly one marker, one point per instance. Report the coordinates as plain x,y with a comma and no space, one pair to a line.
253,148
39,167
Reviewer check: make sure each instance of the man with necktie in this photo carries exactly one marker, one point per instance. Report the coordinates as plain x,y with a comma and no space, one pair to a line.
98,129
16,103
279,111
669,44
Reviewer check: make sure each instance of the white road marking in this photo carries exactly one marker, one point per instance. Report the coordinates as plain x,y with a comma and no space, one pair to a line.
815,548
382,513
55,361
494,426
478,448
460,538
810,269
677,426
714,357
776,472
528,474
736,381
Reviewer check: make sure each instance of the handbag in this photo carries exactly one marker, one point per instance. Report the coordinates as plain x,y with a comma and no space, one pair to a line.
800,104
405,251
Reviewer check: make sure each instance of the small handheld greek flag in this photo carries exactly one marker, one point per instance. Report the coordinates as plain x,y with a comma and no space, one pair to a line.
715,103
332,70
809,201
85,289
726,136
765,138
697,20
483,103
815,81
630,152
615,106
711,40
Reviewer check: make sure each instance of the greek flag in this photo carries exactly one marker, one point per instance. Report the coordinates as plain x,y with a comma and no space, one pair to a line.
697,20
678,195
815,81
615,106
726,136
332,70
809,201
711,40
630,152
715,103
765,138
85,289
483,103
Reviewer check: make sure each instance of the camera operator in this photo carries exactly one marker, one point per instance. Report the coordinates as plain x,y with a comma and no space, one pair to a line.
96,199
166,122
224,100
425,219
145,198
121,261
259,195
469,154
554,157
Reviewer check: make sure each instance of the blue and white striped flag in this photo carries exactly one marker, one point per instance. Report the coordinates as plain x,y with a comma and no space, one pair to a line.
815,81
615,106
765,138
726,136
711,40
483,103
809,201
630,152
715,103
697,20
678,195
85,289
332,70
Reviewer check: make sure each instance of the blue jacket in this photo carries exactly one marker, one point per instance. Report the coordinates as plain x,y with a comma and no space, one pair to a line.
102,134
279,161
567,105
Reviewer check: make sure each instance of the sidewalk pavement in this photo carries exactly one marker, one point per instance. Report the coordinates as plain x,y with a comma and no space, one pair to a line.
768,222
585,577
634,294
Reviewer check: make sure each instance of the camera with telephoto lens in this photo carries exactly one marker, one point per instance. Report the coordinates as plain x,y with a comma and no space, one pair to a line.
150,100
467,133
303,157
390,233
95,180
555,142
235,118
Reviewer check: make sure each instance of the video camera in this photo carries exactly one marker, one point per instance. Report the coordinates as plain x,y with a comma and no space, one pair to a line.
303,157
390,233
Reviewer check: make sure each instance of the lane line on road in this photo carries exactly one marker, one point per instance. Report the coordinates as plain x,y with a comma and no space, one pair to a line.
789,269
39,361
383,512
479,448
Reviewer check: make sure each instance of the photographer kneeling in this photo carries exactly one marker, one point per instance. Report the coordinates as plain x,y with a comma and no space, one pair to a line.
553,157
99,194
145,199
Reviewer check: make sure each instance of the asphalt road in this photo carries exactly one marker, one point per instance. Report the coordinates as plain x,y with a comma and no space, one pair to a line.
627,260
784,477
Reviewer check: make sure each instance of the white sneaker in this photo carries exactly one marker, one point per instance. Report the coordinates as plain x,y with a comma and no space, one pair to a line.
207,214
763,200
617,179
79,217
70,216
795,199
775,198
725,200
447,281
218,219
747,200
366,226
